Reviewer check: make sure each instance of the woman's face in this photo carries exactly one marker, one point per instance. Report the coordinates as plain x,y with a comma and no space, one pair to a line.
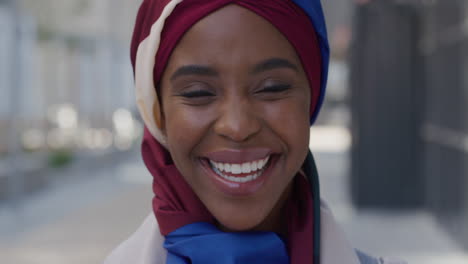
236,103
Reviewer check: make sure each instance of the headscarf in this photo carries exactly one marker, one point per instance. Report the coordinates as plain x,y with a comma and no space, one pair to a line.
183,219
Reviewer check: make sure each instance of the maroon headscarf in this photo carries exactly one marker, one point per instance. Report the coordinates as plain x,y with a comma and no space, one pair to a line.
175,204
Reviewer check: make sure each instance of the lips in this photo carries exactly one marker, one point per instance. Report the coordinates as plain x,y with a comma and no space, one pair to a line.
238,156
239,172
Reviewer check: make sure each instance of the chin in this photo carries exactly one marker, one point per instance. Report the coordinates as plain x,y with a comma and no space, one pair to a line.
238,224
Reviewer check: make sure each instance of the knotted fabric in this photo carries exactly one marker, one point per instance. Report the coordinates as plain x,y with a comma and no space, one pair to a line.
189,228
214,246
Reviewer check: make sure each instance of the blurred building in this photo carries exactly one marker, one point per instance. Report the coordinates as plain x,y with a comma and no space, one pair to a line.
66,80
66,65
409,89
335,110
338,14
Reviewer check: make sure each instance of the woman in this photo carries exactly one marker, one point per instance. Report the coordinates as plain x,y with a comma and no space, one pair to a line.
227,90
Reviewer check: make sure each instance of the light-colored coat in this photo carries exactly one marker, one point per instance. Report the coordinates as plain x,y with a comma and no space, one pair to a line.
145,246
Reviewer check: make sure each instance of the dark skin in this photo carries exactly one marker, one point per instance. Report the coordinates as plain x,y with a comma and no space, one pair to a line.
235,82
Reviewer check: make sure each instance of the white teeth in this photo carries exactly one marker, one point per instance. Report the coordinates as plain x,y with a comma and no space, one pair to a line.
260,164
239,179
236,169
246,167
254,166
219,166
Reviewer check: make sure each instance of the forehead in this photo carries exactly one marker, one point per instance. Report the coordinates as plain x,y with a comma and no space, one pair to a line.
232,35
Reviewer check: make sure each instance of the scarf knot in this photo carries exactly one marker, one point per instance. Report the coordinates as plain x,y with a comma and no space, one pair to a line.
204,243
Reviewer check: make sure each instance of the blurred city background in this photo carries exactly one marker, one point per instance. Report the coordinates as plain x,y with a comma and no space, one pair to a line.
391,143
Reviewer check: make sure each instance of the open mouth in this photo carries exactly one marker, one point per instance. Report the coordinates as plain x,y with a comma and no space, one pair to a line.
240,172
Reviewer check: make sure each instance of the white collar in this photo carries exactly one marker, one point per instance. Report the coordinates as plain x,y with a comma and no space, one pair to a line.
335,247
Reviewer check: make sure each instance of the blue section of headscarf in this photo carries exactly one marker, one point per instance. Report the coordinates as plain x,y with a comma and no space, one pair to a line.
204,243
314,10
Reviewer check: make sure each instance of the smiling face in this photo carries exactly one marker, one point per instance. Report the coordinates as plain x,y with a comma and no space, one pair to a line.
236,103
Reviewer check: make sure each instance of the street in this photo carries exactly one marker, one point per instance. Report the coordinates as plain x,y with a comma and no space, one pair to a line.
78,221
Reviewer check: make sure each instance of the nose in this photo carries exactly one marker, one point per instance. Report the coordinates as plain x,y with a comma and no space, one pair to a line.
237,120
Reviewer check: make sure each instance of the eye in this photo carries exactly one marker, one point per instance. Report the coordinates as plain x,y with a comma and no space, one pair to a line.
275,88
196,94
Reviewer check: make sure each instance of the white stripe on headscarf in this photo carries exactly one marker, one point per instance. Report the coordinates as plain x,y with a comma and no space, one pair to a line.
146,96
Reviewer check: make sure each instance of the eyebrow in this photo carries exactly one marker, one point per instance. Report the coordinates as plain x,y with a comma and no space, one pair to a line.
266,65
274,63
194,70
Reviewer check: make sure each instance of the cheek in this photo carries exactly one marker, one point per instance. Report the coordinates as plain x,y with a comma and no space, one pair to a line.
180,143
290,120
184,127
